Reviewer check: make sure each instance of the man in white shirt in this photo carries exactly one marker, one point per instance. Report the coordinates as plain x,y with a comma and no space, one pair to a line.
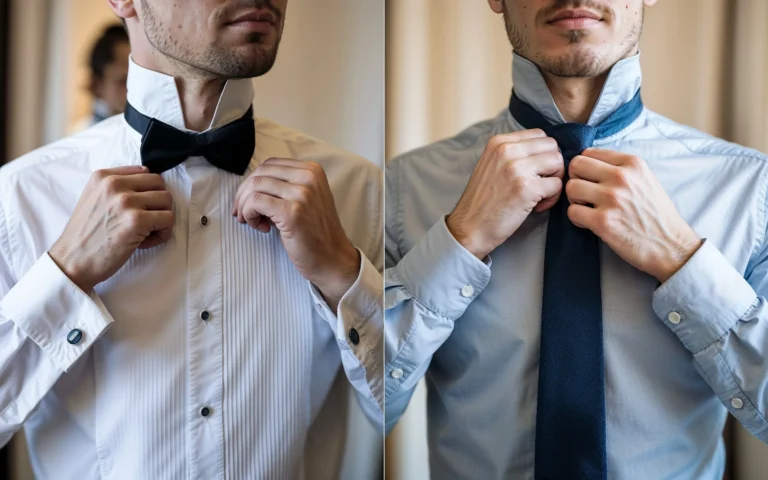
193,316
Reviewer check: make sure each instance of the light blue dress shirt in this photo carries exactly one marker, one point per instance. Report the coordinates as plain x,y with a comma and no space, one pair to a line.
678,356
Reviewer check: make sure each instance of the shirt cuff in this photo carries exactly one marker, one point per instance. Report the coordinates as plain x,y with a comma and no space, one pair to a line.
704,299
441,274
48,307
361,304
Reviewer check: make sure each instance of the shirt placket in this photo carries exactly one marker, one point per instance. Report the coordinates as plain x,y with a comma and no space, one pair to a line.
204,319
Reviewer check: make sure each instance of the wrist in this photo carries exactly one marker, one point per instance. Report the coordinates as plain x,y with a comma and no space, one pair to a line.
677,256
70,268
340,277
467,237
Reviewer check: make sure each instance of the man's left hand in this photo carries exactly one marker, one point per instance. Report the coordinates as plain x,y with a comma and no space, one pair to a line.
617,197
294,196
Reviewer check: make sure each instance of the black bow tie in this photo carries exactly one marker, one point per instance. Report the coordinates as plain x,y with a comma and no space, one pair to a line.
163,147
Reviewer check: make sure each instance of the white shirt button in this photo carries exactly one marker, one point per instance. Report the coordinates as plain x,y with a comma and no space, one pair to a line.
736,403
674,318
467,291
397,373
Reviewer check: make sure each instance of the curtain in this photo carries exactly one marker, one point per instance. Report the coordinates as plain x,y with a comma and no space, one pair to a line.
705,64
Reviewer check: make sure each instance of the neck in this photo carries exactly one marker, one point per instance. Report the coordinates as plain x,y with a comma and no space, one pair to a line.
199,92
199,98
575,97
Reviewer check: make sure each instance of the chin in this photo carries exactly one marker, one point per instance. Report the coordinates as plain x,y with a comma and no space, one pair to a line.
257,64
573,61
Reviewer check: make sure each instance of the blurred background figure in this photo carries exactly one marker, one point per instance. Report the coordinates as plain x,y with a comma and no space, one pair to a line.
108,62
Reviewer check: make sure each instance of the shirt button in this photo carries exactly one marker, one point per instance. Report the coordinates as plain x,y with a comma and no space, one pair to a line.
204,221
74,336
736,403
674,318
354,337
397,373
205,411
467,291
205,315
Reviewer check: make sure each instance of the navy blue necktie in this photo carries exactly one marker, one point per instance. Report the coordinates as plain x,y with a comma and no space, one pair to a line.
570,416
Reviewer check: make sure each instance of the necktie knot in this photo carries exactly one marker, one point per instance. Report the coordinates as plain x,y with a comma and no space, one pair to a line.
572,138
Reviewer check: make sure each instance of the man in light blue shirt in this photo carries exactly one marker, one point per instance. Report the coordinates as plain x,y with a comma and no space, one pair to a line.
682,221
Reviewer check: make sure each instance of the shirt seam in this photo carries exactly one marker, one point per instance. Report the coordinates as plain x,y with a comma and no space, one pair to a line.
764,220
755,155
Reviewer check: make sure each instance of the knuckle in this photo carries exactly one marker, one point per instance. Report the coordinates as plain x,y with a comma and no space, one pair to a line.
318,173
306,176
160,180
296,210
513,170
521,183
493,142
621,177
575,163
111,184
634,161
99,175
256,180
601,222
605,221
569,186
133,219
613,196
167,198
123,200
551,143
303,194
313,166
508,150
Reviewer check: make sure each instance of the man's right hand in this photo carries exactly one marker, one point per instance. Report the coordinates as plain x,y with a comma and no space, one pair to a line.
518,173
120,210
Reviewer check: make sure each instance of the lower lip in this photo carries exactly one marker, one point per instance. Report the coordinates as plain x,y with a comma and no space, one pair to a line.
253,26
578,23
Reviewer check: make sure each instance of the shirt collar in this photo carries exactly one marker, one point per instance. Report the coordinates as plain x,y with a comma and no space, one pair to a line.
620,87
155,95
